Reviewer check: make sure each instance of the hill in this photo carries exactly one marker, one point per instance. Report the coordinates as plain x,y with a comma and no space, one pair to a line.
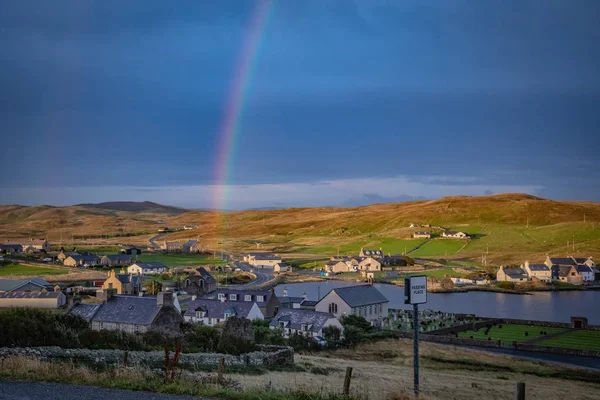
135,207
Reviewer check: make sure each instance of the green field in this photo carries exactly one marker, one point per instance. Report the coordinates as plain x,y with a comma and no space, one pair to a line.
307,262
26,270
510,333
180,260
576,339
439,247
437,273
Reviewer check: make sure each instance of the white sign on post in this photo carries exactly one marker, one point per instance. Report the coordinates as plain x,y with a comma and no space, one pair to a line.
415,290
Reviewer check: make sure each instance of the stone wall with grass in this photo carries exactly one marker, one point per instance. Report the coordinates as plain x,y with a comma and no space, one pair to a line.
267,355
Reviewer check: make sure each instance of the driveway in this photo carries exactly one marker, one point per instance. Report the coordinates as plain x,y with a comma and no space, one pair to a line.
19,390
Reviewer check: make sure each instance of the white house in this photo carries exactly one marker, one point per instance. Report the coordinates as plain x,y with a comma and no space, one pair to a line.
455,235
305,322
362,300
587,273
213,312
149,268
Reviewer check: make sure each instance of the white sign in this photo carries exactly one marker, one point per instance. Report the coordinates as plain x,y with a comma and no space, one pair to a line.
415,290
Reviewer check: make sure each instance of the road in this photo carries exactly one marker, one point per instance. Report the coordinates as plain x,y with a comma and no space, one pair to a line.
19,390
152,242
262,275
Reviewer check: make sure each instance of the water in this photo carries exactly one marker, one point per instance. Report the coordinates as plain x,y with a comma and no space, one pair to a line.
541,306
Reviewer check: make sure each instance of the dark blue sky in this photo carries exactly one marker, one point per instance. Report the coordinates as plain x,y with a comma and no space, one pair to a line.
350,102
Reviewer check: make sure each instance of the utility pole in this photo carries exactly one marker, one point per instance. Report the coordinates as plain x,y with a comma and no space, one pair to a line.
584,218
573,242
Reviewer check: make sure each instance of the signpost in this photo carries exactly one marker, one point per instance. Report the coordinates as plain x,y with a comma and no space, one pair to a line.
415,293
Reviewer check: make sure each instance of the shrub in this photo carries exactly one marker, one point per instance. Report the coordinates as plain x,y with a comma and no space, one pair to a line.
353,335
506,285
356,321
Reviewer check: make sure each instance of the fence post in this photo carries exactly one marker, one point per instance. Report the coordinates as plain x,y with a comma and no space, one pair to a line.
520,391
221,370
347,379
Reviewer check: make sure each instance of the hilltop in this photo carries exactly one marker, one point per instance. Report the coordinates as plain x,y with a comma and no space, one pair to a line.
508,227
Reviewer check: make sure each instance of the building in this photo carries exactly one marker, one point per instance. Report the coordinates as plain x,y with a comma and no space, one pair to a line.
363,300
337,266
147,268
25,285
304,322
262,259
370,253
397,260
281,267
63,255
567,274
172,247
212,312
369,264
587,273
539,272
200,282
123,283
455,235
552,261
117,260
131,250
35,299
132,313
589,261
266,300
422,235
192,246
511,274
81,260
11,248
32,245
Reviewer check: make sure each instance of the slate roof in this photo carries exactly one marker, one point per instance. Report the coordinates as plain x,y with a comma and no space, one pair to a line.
190,243
127,278
290,300
562,261
267,294
30,295
15,247
151,265
6,285
173,244
373,252
85,311
208,278
266,257
85,258
538,267
295,318
422,233
362,295
583,268
581,260
515,272
333,262
119,257
218,308
128,309
561,270
309,303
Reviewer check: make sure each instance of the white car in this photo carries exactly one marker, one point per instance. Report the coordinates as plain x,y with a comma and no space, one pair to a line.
1,258
47,260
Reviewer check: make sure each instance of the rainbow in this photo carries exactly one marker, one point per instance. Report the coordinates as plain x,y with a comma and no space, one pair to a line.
230,125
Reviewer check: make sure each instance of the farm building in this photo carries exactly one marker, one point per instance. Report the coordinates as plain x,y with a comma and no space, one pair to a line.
516,274
147,268
32,299
455,235
422,235
116,260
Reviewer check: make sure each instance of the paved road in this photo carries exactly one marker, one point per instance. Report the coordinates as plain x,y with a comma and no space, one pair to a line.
152,242
19,390
262,275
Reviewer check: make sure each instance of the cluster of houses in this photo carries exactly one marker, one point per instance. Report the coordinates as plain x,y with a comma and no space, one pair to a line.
367,260
446,234
573,270
175,246
75,258
266,259
25,246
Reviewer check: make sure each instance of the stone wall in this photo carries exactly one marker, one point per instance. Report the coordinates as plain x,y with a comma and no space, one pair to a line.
268,355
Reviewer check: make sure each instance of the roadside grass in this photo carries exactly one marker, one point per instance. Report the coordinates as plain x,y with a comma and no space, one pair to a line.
439,247
510,333
27,270
306,263
180,260
436,273
576,339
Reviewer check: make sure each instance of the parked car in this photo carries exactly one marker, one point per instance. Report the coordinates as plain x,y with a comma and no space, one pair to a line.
47,260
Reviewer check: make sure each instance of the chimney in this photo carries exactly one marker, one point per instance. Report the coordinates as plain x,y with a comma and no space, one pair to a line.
72,301
164,299
105,294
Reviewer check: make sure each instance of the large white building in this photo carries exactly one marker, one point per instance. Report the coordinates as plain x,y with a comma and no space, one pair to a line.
362,300
305,322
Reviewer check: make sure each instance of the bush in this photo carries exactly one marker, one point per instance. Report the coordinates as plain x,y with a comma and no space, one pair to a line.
353,335
200,338
301,342
356,321
506,285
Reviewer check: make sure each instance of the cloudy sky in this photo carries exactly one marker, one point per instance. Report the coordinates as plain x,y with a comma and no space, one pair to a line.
348,102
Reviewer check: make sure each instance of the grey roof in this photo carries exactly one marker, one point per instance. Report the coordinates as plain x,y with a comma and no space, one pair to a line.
309,303
422,233
128,278
190,243
267,294
562,261
295,318
6,285
290,300
259,253
333,262
30,295
581,260
85,311
208,278
150,265
515,272
538,267
85,258
128,309
395,257
10,246
583,268
362,295
174,244
561,270
266,257
119,257
218,308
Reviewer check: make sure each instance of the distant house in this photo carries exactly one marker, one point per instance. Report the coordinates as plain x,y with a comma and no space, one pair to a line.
291,302
80,260
172,247
265,299
370,253
211,312
304,322
35,299
189,227
539,272
397,260
25,285
510,274
455,235
552,261
567,273
281,267
147,268
33,245
589,261
200,282
422,235
118,260
337,266
11,249
123,283
363,300
369,264
192,246
587,273
262,259
63,255
131,250
132,313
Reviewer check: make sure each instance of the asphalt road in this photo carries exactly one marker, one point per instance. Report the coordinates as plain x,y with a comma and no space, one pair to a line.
152,242
262,275
19,390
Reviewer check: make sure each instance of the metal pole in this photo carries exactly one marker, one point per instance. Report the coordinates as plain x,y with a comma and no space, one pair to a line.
416,347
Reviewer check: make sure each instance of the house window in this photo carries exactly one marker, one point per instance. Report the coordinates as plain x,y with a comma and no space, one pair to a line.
380,308
110,285
221,296
333,308
370,310
260,299
282,325
233,297
248,297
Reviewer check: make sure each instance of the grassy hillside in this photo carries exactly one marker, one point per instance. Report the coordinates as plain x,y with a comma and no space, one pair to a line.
508,227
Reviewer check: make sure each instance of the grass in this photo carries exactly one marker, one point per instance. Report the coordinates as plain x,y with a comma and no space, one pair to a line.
27,270
510,333
306,263
437,273
180,260
439,247
576,339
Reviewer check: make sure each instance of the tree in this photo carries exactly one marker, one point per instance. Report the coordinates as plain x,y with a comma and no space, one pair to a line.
353,335
332,334
153,287
356,321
